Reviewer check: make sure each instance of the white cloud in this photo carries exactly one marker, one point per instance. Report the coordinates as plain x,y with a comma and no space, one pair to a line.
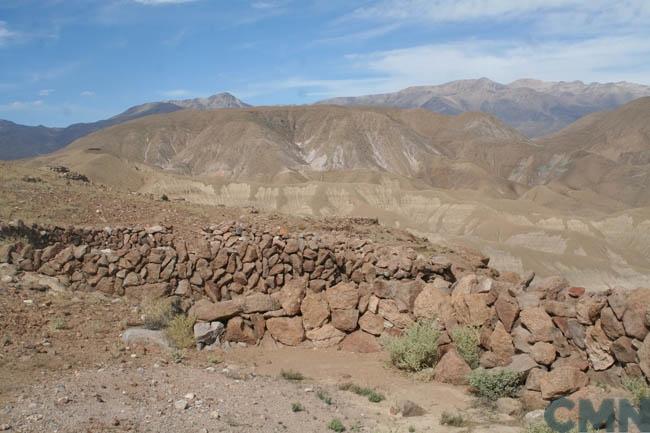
176,93
21,105
87,93
6,35
45,92
162,2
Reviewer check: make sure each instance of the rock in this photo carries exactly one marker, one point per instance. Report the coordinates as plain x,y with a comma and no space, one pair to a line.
543,353
501,344
372,323
471,309
207,311
588,310
623,350
634,318
538,322
181,404
432,303
644,356
576,332
315,310
5,252
342,296
534,417
509,406
466,284
238,331
286,330
407,409
618,302
532,400
576,292
610,324
452,369
575,360
326,336
360,342
507,310
5,427
598,348
532,381
145,336
488,360
345,320
259,303
389,310
560,308
34,281
552,286
182,289
562,381
292,294
522,363
521,339
207,333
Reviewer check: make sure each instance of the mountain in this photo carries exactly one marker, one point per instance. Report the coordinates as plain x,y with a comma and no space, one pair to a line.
533,107
21,141
274,143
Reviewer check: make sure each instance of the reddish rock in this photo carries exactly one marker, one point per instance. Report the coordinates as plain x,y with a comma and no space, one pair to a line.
343,296
207,311
538,322
372,323
507,310
588,310
360,342
291,295
238,331
501,345
325,336
634,318
598,348
562,381
543,353
644,356
576,292
623,350
345,320
389,310
286,330
452,369
612,327
432,303
315,310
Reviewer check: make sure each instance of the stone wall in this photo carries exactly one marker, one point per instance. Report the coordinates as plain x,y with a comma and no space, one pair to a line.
252,285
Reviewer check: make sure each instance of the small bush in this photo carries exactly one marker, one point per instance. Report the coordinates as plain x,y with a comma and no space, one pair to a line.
411,429
454,420
164,197
324,397
638,388
336,425
157,312
59,324
540,427
292,375
297,407
492,385
180,331
177,356
373,396
466,340
416,349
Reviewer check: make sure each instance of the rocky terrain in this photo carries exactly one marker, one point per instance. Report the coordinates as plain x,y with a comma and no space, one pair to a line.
533,107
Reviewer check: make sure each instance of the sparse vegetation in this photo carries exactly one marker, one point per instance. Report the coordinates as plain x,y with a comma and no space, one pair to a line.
411,429
164,197
466,340
177,356
297,407
453,420
336,425
180,331
540,427
638,387
292,375
416,349
59,324
157,312
373,396
214,359
324,397
492,385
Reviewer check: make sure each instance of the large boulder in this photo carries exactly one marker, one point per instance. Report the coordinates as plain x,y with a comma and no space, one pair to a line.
345,320
634,318
389,310
538,322
286,330
360,342
562,381
433,303
291,295
452,369
206,333
315,310
325,336
237,330
207,311
644,356
543,353
507,309
471,309
598,348
501,345
343,296
260,303
372,323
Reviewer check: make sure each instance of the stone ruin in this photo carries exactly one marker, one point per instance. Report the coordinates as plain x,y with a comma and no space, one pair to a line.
253,285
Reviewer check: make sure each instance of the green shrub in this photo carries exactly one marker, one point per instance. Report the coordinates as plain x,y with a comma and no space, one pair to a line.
373,396
180,331
540,427
336,425
297,407
492,385
466,340
59,324
416,349
292,375
454,420
638,388
324,397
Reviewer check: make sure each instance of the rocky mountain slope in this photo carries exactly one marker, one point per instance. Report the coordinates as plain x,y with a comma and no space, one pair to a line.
21,141
533,107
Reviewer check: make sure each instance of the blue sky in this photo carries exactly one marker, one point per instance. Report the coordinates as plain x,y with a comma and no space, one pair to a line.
66,61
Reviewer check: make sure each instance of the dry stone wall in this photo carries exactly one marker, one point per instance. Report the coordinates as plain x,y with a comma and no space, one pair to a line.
252,285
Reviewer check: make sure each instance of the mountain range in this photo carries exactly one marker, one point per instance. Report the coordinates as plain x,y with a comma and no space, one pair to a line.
533,107
21,141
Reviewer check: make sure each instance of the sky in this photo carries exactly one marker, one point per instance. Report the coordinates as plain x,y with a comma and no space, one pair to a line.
68,61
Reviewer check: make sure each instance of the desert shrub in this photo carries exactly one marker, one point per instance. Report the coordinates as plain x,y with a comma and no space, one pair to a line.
324,397
373,396
297,407
157,312
292,375
466,340
454,420
59,324
180,331
164,197
416,349
540,427
336,425
638,387
492,385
